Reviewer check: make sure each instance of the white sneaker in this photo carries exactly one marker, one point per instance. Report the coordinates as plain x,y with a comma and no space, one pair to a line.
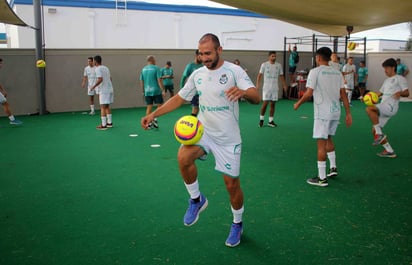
92,113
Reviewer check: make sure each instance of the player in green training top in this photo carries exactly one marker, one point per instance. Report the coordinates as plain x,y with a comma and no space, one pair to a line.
152,87
190,68
167,77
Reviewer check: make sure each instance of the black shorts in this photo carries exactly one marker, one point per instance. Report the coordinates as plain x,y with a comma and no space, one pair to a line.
362,85
169,88
195,101
292,69
158,99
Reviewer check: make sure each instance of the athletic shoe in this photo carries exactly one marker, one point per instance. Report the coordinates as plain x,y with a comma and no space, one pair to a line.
150,126
92,113
272,124
233,239
318,182
333,172
101,127
385,153
378,139
193,211
109,125
155,124
16,122
261,123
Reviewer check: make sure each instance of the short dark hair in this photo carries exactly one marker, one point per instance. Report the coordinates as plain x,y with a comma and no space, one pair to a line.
212,37
362,62
324,53
197,52
389,63
271,52
169,63
98,59
90,58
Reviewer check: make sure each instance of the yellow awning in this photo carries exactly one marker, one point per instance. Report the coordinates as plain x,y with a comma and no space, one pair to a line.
8,16
331,17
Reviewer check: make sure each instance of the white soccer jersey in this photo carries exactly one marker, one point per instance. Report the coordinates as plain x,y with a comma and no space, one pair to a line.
326,83
335,65
271,74
106,85
220,117
350,78
90,73
390,86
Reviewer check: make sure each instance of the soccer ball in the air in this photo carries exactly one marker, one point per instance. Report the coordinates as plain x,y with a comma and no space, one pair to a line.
188,130
351,46
40,64
370,98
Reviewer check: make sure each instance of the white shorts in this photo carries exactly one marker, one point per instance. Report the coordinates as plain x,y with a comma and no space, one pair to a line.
91,92
105,98
387,110
2,99
227,157
270,95
322,129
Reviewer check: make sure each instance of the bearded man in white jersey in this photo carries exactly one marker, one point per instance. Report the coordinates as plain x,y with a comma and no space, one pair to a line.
326,85
220,85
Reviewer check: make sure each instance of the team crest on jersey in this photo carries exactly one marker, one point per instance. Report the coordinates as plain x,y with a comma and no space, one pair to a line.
199,81
223,79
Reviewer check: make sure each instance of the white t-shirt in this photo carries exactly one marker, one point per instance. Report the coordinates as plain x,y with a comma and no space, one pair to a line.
392,85
326,83
90,73
271,74
105,86
219,116
350,78
335,65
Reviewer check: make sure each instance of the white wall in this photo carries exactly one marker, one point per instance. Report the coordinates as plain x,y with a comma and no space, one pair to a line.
72,27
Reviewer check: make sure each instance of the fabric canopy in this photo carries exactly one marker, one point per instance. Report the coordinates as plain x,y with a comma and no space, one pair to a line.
331,16
8,16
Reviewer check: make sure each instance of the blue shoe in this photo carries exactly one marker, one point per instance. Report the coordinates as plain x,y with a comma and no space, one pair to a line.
234,236
193,211
16,122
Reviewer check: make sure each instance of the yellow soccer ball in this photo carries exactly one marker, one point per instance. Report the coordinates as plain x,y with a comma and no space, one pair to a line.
370,99
351,45
188,130
40,64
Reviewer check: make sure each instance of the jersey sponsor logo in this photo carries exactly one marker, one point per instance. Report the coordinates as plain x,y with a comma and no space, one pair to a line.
204,108
199,81
223,79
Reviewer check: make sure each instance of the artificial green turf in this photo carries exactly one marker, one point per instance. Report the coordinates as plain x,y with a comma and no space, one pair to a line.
70,194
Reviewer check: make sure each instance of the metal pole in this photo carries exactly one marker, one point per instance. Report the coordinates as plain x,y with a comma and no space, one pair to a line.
40,55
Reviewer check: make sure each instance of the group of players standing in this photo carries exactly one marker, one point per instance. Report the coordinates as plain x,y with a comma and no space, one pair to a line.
155,82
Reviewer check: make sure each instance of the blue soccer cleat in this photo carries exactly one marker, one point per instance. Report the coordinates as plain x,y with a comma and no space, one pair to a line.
193,211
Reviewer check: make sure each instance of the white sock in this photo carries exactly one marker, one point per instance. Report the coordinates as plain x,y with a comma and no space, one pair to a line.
11,118
109,118
193,189
322,169
270,119
378,129
388,147
92,108
104,121
237,214
332,159
262,117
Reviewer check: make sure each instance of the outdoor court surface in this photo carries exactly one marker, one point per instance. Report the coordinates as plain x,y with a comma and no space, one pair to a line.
70,194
